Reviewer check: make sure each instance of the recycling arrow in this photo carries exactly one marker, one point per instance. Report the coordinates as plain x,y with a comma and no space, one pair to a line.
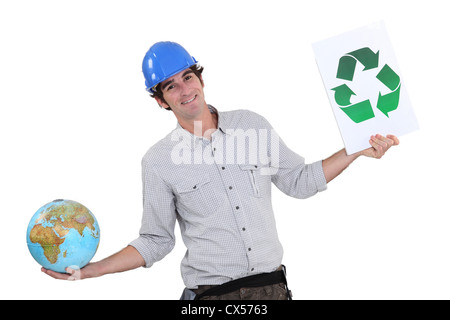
343,94
363,111
347,63
390,79
359,112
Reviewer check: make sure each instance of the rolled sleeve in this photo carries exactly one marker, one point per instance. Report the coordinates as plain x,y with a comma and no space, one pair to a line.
319,176
156,236
296,178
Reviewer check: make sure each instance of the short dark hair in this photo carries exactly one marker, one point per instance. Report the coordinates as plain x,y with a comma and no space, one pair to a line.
157,92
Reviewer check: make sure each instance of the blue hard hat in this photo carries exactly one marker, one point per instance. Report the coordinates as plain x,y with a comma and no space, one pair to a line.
164,60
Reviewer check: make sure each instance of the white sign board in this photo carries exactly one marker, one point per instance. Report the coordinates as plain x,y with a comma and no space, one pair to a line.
365,87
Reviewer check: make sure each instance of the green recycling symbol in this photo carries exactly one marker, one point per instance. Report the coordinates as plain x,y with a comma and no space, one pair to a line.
363,111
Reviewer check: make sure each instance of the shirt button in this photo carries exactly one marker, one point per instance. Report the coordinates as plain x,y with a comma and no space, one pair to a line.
249,249
230,187
194,187
243,229
223,168
253,269
237,207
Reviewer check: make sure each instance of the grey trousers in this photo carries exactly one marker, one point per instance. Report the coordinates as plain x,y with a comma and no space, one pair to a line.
271,292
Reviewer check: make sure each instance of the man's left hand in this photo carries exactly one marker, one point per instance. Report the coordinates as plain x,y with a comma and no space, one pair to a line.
380,145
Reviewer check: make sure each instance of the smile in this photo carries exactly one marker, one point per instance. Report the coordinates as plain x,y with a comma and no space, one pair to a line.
189,100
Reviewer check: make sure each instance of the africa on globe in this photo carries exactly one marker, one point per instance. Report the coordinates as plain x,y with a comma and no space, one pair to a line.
61,234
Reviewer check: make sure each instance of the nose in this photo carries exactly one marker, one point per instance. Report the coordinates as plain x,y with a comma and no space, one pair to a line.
184,89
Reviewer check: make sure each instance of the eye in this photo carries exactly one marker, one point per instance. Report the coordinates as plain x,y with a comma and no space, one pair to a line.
170,87
188,78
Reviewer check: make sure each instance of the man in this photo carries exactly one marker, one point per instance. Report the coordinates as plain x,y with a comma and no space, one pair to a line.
213,174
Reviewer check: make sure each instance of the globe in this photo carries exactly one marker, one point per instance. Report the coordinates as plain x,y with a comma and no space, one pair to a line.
61,234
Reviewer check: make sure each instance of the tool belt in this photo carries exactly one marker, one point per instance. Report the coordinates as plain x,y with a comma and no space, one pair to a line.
258,280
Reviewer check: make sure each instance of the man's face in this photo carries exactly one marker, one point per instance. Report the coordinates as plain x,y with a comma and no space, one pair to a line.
184,95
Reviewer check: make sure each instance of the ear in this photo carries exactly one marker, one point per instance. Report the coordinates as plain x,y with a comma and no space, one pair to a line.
161,103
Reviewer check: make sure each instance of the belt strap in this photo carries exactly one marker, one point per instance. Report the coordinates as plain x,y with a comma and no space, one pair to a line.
258,280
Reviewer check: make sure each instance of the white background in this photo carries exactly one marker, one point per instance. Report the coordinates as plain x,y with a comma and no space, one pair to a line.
75,122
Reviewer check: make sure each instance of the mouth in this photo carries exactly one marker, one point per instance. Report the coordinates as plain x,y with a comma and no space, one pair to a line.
190,100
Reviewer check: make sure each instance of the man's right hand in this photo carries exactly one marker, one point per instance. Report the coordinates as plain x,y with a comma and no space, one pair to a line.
126,259
71,274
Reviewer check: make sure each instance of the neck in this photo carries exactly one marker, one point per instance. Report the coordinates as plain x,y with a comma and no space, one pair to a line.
203,125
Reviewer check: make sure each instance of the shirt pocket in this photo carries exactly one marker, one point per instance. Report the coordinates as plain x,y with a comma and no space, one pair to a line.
258,178
196,195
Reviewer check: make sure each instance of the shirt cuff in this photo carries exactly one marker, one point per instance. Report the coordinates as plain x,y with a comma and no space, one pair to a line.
319,176
140,245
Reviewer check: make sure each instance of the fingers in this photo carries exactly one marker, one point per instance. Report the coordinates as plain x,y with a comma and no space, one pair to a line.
71,275
377,148
382,144
75,273
393,138
56,275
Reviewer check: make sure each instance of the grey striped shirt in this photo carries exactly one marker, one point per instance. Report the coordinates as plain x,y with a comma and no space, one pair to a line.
219,190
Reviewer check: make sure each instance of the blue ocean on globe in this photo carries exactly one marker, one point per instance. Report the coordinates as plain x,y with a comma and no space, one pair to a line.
63,233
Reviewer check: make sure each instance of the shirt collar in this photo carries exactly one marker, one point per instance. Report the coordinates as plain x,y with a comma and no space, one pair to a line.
223,122
192,140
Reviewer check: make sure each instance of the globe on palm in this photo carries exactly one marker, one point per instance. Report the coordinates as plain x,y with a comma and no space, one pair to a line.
61,234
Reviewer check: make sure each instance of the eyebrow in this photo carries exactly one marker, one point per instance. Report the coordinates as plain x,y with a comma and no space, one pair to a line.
166,84
171,81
